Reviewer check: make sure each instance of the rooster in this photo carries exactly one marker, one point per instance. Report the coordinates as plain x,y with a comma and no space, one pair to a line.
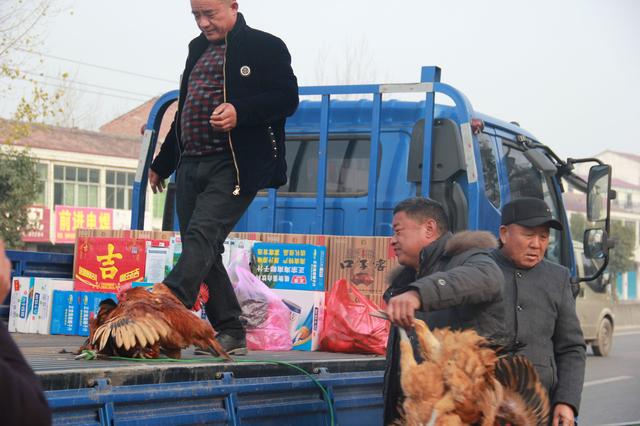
463,381
146,323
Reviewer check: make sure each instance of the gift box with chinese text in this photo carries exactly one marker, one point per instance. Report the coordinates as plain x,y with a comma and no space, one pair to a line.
21,304
40,320
105,264
89,306
65,312
290,266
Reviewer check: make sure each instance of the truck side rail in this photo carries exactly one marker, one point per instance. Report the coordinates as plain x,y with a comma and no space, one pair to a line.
356,398
430,85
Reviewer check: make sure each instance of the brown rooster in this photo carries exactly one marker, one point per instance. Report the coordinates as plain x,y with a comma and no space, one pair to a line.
145,323
462,381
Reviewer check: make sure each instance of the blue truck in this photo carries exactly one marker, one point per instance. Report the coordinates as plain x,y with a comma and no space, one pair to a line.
349,163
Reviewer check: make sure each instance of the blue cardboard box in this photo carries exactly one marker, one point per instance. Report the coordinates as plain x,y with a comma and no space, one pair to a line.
65,312
290,266
89,304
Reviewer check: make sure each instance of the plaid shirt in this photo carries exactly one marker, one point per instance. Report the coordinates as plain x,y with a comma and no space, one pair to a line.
205,91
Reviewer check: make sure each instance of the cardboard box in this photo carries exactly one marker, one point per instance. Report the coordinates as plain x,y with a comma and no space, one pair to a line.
89,305
65,312
290,266
363,261
238,246
156,252
92,280
266,237
40,320
21,304
173,254
105,263
125,233
307,317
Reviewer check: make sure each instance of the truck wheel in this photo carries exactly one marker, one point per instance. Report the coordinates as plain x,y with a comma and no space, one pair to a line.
602,345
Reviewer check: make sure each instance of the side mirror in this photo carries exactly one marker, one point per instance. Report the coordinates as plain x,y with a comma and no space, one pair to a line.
598,186
595,244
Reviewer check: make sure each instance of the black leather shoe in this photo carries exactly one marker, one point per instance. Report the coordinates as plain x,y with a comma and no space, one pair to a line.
233,345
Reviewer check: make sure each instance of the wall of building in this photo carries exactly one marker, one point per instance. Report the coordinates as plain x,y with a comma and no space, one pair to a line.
110,193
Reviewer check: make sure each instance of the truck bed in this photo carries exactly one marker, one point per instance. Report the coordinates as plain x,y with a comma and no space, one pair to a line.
52,359
342,389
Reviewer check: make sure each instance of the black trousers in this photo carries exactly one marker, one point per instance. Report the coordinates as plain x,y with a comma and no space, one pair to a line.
207,211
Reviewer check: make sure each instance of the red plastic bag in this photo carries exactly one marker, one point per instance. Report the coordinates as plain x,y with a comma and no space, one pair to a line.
348,327
267,319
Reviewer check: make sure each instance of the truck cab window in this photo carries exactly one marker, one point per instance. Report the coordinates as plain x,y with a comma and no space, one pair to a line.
527,181
347,166
489,169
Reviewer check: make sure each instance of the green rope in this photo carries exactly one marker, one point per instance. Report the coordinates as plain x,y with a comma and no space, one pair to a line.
92,355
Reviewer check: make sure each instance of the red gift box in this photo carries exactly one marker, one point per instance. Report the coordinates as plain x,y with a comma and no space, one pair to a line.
106,264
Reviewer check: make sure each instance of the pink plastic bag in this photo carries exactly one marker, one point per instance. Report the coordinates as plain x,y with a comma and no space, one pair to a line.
266,317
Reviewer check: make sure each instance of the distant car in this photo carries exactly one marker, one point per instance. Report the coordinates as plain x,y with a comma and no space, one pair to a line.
594,305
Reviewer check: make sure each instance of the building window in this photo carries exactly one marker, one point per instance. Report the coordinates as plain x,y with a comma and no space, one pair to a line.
75,186
42,170
119,187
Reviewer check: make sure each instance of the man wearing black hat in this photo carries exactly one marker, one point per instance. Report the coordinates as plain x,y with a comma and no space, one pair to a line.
540,310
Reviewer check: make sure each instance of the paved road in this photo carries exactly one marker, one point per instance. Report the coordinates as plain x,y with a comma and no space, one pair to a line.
611,394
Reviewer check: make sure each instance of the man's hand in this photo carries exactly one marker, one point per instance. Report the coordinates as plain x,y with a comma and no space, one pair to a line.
224,118
156,182
401,309
5,273
563,415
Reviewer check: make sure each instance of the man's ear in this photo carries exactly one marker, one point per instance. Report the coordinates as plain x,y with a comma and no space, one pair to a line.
430,229
503,233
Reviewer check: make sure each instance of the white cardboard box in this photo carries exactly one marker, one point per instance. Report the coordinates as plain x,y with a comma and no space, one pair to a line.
307,317
21,303
156,259
40,318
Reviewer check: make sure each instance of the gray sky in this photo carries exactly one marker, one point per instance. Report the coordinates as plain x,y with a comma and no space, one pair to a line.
566,70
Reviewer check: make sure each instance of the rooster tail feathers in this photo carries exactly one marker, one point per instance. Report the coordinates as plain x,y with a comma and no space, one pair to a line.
518,375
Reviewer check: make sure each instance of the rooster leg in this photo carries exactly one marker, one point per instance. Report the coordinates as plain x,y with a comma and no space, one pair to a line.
406,351
428,343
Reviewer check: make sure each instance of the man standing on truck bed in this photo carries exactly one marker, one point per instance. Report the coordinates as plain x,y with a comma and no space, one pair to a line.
226,142
447,280
540,309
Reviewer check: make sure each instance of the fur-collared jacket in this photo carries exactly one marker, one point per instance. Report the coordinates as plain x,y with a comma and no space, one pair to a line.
460,287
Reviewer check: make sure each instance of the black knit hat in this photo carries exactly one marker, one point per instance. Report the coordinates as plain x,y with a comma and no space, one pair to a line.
528,212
